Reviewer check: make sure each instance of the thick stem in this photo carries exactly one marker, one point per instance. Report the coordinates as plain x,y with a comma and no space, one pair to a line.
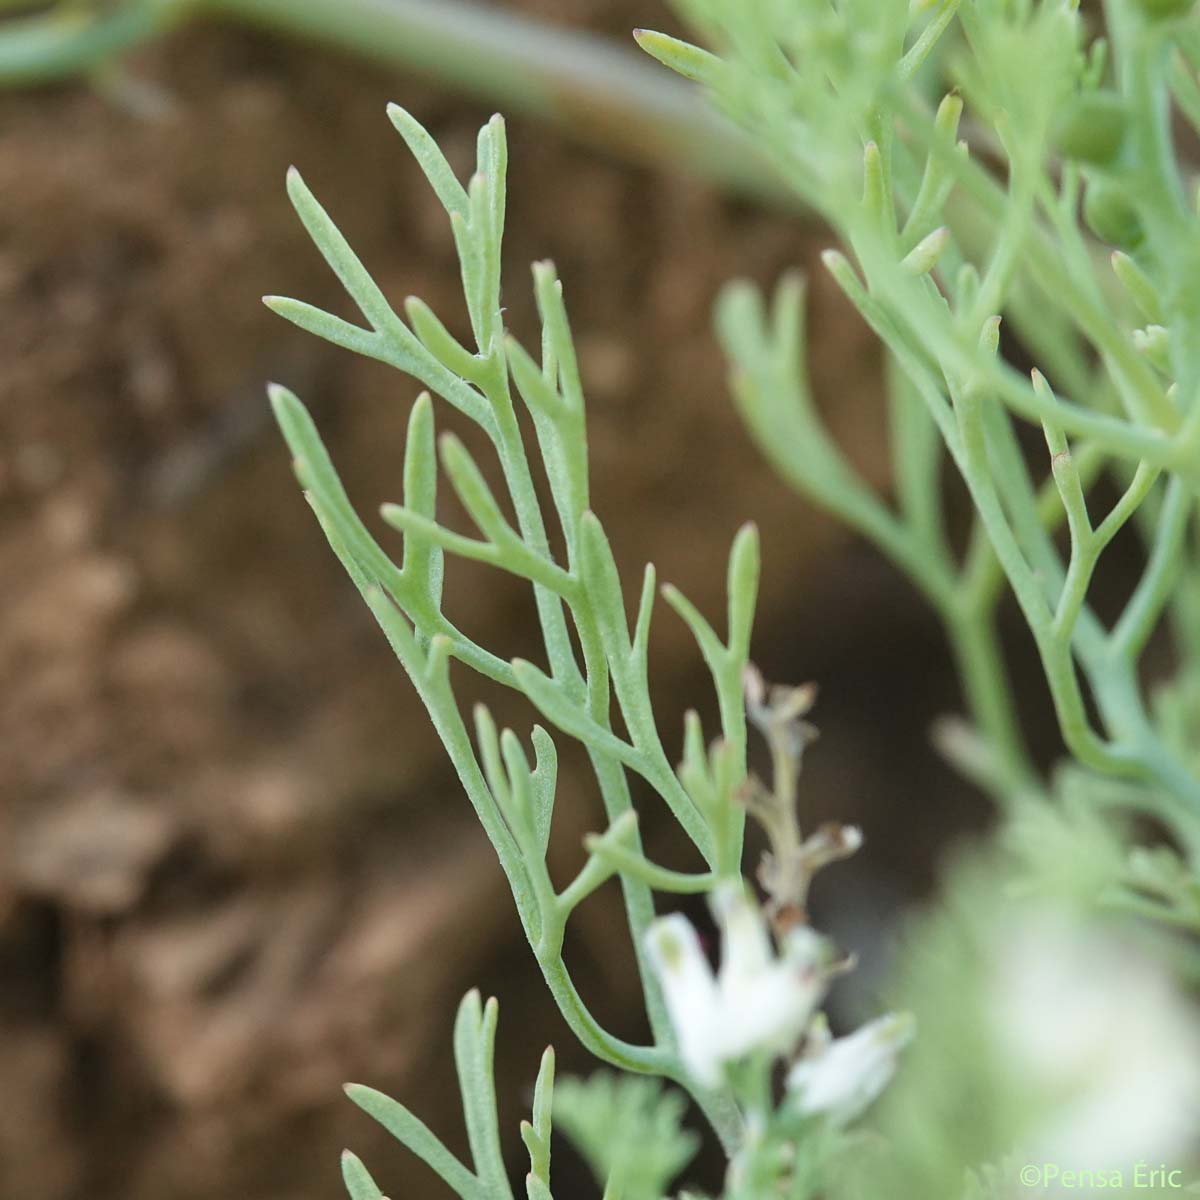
609,96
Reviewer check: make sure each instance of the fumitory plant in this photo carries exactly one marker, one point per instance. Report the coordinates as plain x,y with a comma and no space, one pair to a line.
718,1037
987,165
1068,160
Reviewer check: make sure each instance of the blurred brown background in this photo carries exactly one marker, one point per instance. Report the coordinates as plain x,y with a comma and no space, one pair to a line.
235,869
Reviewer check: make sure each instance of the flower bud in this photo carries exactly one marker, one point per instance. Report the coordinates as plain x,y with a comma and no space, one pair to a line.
1111,216
844,1076
1091,127
1155,343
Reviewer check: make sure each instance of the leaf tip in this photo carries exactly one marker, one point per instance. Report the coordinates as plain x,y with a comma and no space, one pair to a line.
283,400
297,189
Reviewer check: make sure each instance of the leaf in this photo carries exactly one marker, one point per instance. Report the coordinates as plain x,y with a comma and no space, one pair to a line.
706,638
536,1133
535,1189
692,62
553,312
423,562
358,1180
472,489
488,740
329,328
552,702
539,394
598,571
336,251
414,1134
640,650
318,475
430,159
545,782
629,1129
742,590
438,340
474,1046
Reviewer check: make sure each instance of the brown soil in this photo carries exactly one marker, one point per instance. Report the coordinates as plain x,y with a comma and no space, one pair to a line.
234,867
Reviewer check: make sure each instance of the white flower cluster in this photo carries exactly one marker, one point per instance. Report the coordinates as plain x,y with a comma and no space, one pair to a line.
763,1002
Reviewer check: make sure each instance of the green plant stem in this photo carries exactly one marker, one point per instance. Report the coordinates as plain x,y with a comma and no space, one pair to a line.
660,1057
602,93
518,477
639,902
1055,282
48,47
1153,592
596,91
975,643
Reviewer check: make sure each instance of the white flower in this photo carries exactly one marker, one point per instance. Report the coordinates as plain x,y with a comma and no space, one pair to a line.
842,1077
690,993
1086,1017
756,1002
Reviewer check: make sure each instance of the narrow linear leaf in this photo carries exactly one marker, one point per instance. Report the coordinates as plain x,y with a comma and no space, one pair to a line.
706,638
598,572
472,489
441,343
474,1044
745,561
430,159
329,328
641,634
545,782
692,62
319,477
543,1095
358,1180
539,394
417,526
423,561
551,701
417,1137
553,312
336,251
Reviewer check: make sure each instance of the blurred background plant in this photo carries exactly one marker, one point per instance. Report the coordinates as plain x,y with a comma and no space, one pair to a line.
803,643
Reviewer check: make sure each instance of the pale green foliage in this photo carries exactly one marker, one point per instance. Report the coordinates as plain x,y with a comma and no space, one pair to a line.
474,1043
842,99
980,1086
579,602
514,800
629,1130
